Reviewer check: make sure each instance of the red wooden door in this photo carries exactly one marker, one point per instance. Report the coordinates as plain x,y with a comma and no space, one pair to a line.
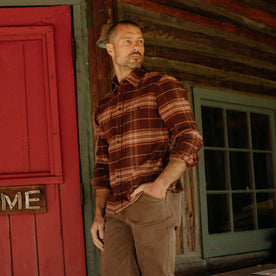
38,142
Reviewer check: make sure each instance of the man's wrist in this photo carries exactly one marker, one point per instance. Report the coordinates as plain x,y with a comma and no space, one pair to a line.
159,188
99,212
160,184
100,202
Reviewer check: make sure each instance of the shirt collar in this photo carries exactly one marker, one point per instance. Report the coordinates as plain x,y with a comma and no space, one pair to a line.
133,78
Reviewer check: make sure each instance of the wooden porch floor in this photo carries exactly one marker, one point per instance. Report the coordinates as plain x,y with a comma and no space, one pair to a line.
248,271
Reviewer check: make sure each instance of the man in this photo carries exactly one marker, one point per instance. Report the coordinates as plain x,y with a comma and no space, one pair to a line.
147,137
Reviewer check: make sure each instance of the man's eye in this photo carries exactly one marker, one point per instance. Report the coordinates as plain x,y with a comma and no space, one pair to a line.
127,41
141,41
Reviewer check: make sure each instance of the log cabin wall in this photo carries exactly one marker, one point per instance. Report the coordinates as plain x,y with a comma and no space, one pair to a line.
225,45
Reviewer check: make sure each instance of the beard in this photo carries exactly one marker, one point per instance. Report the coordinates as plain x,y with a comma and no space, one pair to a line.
135,60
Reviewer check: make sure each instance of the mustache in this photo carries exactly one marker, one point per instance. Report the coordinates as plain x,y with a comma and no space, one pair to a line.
135,53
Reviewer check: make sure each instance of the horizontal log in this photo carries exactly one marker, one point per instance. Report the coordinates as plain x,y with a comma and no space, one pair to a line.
161,26
201,59
199,75
202,20
245,10
209,41
213,11
264,5
208,71
215,53
194,266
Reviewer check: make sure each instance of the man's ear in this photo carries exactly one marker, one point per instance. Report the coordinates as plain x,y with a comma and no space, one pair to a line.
109,48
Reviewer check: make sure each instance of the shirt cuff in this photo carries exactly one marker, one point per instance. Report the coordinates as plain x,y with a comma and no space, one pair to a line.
190,160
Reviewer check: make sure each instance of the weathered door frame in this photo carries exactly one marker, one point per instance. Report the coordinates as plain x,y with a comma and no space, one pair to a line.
86,146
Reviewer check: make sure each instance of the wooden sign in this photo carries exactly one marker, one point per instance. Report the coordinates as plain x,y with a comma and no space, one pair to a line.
22,199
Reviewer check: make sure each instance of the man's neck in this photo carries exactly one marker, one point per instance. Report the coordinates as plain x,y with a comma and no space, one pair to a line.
122,74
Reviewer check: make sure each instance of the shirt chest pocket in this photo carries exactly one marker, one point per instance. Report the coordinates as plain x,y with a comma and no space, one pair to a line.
143,107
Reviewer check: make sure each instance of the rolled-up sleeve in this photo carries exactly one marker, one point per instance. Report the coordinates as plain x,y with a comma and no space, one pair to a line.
101,171
175,111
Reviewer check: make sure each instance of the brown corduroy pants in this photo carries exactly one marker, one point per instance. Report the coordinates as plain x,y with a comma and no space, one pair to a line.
140,240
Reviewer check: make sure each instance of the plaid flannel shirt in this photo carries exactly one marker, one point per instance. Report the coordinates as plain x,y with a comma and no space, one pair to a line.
144,122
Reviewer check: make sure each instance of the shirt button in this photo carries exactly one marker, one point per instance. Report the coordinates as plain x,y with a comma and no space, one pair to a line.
118,141
118,176
119,108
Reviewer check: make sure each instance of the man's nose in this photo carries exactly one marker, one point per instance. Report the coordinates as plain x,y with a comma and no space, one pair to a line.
136,46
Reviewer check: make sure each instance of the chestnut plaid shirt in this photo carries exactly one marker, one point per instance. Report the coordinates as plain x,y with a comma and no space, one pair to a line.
143,123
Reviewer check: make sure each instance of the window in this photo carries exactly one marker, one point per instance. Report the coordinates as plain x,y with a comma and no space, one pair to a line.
236,172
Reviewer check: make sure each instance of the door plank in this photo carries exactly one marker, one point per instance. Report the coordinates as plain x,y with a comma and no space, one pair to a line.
5,250
23,238
49,235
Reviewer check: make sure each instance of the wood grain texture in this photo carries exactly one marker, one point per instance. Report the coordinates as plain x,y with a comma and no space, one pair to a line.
211,22
50,251
23,244
189,210
210,56
206,60
219,12
246,10
264,5
164,26
5,246
199,75
100,64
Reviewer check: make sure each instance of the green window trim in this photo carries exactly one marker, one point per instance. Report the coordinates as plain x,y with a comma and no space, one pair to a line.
231,241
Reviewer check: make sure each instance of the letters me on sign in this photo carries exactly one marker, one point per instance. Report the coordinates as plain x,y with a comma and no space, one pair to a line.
22,199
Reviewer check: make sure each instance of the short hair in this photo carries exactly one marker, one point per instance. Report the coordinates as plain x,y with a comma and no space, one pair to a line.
123,22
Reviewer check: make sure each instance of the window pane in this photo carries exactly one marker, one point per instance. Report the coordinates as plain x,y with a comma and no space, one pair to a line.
260,131
215,170
243,212
213,129
263,169
266,210
237,129
218,214
240,170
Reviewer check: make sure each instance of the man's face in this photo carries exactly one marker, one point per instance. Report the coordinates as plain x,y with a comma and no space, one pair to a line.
126,47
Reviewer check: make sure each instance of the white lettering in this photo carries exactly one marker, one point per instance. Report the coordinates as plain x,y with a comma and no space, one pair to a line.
28,199
6,199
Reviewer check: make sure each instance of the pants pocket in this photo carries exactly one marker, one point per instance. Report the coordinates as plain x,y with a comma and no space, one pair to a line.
152,197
